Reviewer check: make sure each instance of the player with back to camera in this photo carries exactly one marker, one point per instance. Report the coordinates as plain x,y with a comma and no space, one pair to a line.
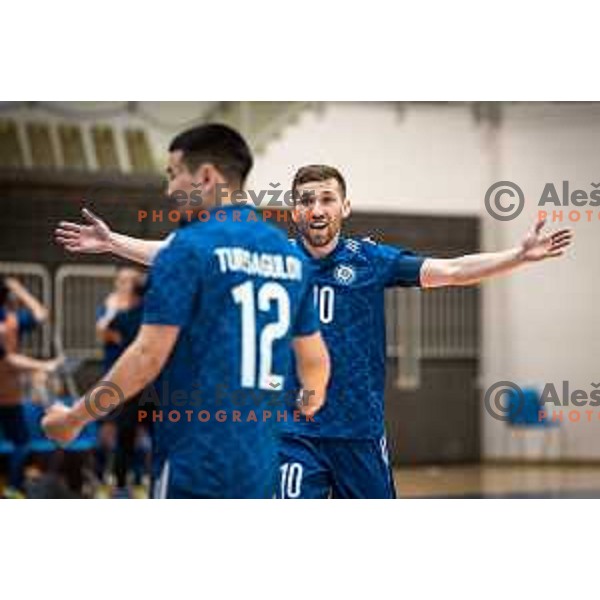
343,454
217,325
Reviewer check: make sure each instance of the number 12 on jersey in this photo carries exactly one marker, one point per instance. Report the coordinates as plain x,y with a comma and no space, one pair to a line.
250,300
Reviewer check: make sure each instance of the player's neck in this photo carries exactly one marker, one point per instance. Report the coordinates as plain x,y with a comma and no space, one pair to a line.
321,251
221,199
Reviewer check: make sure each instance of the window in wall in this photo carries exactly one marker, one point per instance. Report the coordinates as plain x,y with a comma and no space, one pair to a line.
106,150
11,153
40,145
71,144
140,156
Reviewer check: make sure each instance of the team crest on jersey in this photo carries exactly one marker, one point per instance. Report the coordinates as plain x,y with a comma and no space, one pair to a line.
344,274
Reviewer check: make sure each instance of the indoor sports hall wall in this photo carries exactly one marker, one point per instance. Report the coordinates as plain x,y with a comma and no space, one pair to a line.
542,324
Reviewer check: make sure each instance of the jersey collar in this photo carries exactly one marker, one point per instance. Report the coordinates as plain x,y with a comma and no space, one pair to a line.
339,248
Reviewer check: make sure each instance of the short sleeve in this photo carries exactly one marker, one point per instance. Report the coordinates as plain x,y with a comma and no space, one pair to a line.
398,266
26,321
307,321
100,312
174,284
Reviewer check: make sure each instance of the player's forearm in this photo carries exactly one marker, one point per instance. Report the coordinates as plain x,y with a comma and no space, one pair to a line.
135,369
38,310
26,363
314,377
476,267
134,249
470,269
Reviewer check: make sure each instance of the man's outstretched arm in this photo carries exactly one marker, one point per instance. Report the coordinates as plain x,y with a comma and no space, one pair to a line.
471,269
96,237
22,362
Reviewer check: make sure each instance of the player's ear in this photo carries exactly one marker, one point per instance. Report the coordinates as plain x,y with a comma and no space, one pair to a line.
206,177
346,208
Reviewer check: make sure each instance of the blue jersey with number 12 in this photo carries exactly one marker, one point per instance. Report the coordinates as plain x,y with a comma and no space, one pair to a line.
239,293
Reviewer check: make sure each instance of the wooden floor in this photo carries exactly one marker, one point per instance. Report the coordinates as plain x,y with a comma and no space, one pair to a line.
480,481
491,481
499,481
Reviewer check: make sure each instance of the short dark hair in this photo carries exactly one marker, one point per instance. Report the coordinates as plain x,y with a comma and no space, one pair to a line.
318,173
219,145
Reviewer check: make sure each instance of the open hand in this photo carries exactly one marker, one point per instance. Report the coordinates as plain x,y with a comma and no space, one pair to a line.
538,245
91,238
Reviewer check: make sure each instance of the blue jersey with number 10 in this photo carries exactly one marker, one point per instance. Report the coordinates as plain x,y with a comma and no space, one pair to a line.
349,287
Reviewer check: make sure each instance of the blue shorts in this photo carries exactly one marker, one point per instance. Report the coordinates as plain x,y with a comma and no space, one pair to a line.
334,468
170,481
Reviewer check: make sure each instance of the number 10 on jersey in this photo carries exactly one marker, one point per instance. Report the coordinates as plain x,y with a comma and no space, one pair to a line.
325,302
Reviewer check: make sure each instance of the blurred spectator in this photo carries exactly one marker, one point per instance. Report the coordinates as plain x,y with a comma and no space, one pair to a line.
124,297
19,312
117,325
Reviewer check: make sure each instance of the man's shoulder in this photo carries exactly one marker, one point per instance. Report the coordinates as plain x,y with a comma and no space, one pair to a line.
183,251
185,238
359,248
371,249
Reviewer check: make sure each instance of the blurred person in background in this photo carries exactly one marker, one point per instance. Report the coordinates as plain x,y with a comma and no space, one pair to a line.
117,325
122,299
20,312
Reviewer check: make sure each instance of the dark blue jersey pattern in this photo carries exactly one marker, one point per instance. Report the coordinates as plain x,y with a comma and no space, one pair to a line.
238,292
348,287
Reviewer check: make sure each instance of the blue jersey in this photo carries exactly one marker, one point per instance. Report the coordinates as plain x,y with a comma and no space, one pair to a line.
238,291
126,323
349,287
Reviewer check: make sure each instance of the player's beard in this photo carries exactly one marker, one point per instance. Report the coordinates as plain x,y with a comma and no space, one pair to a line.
320,237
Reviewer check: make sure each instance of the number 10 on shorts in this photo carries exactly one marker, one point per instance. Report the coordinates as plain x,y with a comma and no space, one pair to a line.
291,480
